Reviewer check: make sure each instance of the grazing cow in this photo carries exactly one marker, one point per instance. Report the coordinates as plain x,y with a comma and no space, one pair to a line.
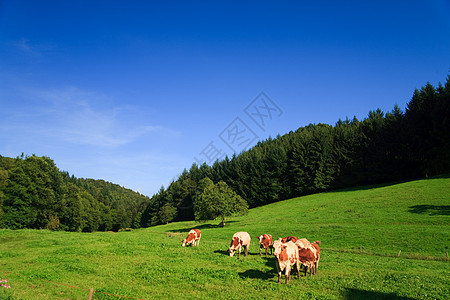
193,238
239,240
287,256
307,255
289,238
265,241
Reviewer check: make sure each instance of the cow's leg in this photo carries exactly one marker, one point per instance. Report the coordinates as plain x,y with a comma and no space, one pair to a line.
287,275
298,269
278,271
260,246
246,250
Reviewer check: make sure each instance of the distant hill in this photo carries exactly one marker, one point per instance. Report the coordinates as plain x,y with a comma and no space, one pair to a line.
34,193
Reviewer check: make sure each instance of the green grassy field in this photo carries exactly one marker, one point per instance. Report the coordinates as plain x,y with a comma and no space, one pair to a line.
362,232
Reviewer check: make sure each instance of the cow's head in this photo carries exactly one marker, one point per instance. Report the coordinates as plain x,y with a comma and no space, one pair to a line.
235,242
265,240
183,243
277,247
259,238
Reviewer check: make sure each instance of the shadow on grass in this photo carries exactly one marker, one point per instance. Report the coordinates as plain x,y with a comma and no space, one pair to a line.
362,294
256,274
223,252
367,187
374,185
270,261
431,210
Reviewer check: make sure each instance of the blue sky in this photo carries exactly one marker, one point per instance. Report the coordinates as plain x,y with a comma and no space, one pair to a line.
133,92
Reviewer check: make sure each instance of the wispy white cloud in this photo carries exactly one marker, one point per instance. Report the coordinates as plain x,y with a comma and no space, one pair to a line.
31,49
90,135
23,45
84,117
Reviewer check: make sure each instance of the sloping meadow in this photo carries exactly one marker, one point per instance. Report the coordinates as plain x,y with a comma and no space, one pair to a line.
388,241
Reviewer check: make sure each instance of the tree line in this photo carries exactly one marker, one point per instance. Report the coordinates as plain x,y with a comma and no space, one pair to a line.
34,193
383,147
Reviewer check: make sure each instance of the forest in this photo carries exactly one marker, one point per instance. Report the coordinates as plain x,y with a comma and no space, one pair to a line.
34,193
383,147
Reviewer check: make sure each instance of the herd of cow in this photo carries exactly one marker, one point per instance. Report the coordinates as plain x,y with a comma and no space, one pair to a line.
289,251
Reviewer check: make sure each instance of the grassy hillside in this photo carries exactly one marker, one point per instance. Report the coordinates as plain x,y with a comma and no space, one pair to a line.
362,232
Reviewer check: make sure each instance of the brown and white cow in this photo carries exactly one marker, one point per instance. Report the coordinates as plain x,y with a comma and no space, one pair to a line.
193,238
287,256
239,240
265,241
289,238
307,255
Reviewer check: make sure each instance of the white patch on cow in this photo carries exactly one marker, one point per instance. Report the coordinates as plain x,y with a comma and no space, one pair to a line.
243,239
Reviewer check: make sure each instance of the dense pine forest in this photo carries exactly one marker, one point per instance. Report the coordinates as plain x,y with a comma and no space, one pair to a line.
393,146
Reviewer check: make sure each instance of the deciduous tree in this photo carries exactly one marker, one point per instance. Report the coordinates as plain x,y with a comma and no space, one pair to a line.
218,200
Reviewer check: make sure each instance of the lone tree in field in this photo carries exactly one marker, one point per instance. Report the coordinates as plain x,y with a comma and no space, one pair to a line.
217,200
